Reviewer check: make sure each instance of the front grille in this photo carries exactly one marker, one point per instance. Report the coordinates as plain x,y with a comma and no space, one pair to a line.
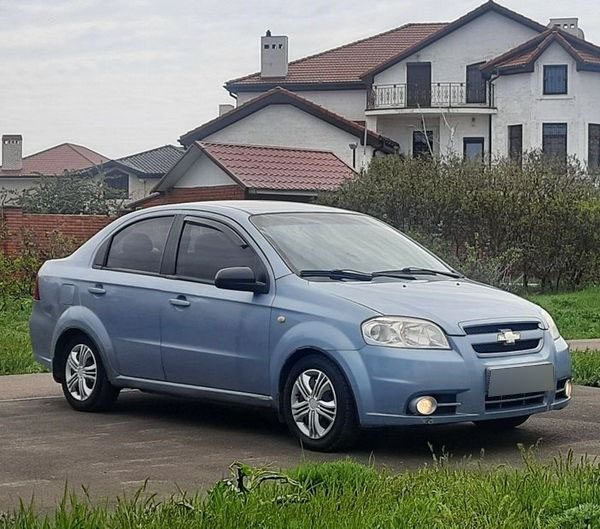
500,347
507,402
495,328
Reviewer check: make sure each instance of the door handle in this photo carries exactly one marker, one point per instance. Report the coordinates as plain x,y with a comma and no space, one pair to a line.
98,290
180,301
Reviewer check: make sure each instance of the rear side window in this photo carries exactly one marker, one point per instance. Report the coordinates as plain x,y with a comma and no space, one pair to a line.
140,246
204,250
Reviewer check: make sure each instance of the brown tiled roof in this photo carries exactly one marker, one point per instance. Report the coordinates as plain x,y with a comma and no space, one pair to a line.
281,96
523,57
279,168
56,160
347,63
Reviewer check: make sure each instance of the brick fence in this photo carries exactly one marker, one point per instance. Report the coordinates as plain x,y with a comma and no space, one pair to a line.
16,226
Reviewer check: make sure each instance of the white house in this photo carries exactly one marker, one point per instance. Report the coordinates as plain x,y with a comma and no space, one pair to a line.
492,81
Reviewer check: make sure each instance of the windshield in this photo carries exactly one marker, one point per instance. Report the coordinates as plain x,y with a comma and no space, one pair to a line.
341,241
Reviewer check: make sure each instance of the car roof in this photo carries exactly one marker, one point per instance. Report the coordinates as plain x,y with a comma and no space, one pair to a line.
250,207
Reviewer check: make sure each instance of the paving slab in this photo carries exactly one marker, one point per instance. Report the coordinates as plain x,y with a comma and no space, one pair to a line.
584,345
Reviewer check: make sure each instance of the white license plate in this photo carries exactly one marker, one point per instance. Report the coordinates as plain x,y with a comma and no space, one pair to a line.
515,380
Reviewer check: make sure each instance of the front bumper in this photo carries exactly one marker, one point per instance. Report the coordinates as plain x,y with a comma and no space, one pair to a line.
386,379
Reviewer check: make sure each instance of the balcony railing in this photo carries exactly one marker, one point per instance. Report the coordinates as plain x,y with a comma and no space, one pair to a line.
439,95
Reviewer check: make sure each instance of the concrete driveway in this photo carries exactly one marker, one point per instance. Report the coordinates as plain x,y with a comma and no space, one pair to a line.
173,442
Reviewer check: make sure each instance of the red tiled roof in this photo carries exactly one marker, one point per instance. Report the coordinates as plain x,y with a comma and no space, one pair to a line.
523,57
345,64
56,160
279,168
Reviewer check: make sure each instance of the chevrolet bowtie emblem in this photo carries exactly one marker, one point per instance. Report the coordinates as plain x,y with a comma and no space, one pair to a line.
508,337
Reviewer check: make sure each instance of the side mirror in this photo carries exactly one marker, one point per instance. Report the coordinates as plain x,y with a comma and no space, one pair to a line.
240,278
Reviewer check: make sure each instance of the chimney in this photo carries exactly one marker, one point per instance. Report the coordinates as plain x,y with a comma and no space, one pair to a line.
568,24
223,109
273,55
12,152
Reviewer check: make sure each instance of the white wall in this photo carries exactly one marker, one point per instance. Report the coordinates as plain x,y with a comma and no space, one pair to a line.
18,185
288,126
449,131
350,104
481,39
520,100
204,173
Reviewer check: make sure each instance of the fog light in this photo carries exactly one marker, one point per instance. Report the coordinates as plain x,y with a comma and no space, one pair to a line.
423,405
568,388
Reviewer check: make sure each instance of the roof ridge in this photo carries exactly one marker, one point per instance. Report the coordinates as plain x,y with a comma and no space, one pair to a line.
150,150
75,147
335,48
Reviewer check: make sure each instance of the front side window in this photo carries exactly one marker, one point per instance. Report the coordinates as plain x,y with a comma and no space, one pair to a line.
473,149
422,144
341,241
555,79
515,143
204,250
554,140
594,146
139,247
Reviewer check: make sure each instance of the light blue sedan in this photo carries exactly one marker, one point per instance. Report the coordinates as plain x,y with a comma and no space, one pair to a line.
332,318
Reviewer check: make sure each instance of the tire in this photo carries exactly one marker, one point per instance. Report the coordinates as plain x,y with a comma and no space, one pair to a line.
332,397
502,424
86,387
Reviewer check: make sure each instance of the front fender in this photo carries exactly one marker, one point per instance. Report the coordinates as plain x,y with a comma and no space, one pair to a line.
329,341
83,319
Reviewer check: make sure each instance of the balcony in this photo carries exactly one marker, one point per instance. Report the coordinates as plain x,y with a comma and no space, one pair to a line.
436,96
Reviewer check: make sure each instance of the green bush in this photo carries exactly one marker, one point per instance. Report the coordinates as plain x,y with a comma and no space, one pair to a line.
539,222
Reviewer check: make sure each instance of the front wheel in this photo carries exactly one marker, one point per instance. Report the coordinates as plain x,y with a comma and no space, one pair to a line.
84,382
502,424
318,405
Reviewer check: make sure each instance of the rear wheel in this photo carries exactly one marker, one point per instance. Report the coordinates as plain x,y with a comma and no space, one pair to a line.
318,405
502,424
84,382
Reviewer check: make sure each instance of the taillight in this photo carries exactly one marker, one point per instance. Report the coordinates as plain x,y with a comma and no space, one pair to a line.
36,288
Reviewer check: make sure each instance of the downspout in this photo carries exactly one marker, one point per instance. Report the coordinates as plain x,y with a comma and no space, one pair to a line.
490,117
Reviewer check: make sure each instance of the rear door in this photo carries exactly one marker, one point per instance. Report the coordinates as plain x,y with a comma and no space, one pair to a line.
123,290
211,337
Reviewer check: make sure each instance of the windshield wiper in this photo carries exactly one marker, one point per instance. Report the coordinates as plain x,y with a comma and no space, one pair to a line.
337,274
414,270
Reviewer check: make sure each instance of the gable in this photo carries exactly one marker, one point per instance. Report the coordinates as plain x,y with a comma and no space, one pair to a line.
203,172
479,40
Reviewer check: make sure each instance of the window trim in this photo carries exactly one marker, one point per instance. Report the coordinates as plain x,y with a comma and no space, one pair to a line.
565,67
171,261
480,140
101,256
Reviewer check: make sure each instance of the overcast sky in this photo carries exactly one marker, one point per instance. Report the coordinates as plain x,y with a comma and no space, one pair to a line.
121,76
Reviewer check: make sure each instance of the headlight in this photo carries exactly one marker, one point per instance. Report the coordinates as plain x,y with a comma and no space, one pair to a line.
554,332
394,331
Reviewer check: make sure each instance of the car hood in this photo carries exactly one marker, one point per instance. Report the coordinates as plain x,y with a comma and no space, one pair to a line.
447,303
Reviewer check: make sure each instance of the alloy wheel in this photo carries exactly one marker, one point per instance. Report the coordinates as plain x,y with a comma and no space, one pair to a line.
81,372
314,403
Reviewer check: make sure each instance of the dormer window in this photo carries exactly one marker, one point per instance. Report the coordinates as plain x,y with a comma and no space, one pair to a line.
555,79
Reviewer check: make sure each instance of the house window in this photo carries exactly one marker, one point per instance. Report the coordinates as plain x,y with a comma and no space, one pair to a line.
476,86
594,146
555,79
515,143
554,139
473,149
422,144
118,183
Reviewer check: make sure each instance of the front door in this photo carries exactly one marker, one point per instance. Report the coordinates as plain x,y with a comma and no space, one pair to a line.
211,337
418,84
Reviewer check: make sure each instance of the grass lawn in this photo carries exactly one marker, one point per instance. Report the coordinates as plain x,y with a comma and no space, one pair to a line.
344,494
577,314
15,347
